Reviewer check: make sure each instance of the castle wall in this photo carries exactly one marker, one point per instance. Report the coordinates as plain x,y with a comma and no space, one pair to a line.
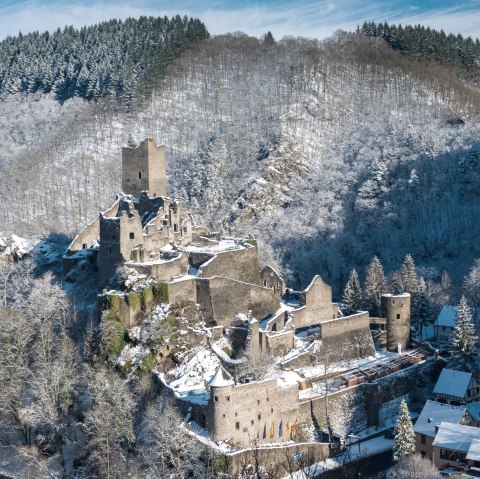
88,236
337,327
180,291
131,233
277,323
347,410
244,413
204,300
278,460
164,271
352,344
271,279
196,259
144,169
317,305
109,254
239,264
280,342
221,299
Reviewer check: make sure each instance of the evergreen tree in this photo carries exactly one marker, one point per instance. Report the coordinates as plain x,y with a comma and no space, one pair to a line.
464,341
421,305
375,286
352,294
268,38
471,286
404,442
409,276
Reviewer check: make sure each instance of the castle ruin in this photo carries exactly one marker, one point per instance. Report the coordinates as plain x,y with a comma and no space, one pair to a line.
248,306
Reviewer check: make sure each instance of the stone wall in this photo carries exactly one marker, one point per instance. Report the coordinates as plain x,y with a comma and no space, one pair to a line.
131,233
164,271
337,327
271,279
196,259
220,299
184,290
279,461
239,264
352,344
279,342
88,236
246,413
109,254
347,410
317,305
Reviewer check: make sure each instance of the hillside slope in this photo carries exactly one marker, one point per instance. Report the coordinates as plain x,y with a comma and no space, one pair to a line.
327,153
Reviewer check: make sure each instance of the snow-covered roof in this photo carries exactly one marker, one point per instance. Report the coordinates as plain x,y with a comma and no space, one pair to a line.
221,379
453,383
433,413
457,437
447,317
474,410
474,450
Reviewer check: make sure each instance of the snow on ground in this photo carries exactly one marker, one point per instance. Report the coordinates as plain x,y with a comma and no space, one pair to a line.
353,452
223,245
134,353
15,246
315,371
194,374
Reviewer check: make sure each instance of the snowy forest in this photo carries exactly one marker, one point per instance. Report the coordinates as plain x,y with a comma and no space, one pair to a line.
350,157
117,58
327,152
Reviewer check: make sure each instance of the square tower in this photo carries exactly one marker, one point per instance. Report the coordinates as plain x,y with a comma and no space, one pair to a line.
144,169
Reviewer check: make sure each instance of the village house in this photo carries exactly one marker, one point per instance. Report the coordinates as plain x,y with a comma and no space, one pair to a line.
445,324
456,444
456,387
432,415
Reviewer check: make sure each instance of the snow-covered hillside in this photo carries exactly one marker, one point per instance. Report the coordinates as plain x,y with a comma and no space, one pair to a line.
327,153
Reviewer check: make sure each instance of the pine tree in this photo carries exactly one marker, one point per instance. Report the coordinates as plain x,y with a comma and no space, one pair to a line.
375,286
464,341
404,442
352,294
421,305
409,276
471,286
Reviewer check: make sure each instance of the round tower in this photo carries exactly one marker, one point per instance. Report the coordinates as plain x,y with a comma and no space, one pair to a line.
220,406
396,310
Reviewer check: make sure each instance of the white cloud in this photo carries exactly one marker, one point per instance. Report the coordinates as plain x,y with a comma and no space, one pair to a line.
308,18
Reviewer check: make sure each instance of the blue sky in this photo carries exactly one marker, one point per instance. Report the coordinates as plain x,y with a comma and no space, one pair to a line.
307,18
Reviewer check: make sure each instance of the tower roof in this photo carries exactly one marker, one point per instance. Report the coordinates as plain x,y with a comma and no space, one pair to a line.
221,379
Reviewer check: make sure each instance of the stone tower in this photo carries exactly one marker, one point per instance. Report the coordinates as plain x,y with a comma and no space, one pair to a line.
144,169
220,405
396,309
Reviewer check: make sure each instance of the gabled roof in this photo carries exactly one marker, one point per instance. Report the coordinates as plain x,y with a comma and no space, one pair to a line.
433,413
453,383
474,410
457,437
221,379
447,317
474,450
